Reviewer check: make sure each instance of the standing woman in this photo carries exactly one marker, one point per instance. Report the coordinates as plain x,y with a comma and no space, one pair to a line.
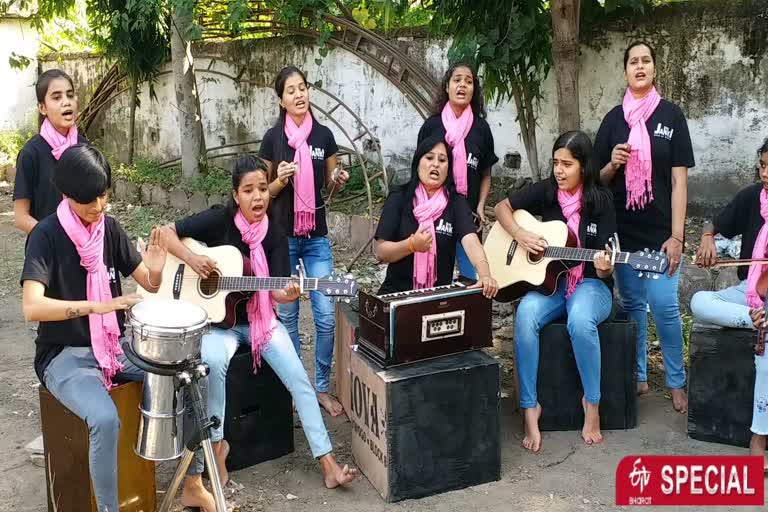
34,194
459,116
644,150
300,154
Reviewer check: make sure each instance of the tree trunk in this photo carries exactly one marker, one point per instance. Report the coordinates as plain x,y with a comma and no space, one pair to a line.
527,120
565,54
191,139
132,120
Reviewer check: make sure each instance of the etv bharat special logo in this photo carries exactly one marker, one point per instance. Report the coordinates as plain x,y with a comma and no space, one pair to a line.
689,480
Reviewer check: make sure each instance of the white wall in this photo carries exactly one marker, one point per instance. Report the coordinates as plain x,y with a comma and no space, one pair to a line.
17,103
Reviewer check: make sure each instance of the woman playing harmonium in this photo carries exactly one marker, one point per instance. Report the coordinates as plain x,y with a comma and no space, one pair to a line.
421,223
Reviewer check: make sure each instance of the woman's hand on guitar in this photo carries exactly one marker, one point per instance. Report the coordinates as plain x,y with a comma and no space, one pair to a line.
602,261
488,284
706,255
674,251
758,317
422,240
292,291
530,241
203,265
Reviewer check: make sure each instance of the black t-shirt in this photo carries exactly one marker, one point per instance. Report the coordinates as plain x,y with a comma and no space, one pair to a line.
34,177
275,148
51,258
742,217
216,226
397,223
595,228
670,147
480,151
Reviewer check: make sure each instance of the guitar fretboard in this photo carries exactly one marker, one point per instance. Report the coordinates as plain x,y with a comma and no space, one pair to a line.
253,284
579,254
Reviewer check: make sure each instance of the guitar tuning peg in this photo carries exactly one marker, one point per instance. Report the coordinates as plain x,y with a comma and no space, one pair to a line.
640,275
655,276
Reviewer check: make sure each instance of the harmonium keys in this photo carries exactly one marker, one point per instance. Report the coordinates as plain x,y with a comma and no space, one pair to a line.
410,326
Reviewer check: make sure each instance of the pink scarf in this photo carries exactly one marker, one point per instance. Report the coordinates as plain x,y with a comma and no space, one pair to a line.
639,166
427,210
58,142
571,207
456,130
304,180
105,333
261,313
753,299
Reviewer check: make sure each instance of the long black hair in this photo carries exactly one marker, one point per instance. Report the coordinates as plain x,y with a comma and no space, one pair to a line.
82,173
282,76
594,196
477,103
422,149
245,164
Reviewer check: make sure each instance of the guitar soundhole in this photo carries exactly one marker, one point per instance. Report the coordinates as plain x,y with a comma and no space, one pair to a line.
210,285
534,258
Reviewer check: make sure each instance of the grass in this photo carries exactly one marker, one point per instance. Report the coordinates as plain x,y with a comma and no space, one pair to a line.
214,180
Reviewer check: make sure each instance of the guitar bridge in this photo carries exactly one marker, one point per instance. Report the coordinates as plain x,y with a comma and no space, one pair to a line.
511,252
178,281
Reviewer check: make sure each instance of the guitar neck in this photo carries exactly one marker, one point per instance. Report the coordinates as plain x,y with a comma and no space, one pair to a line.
579,254
255,284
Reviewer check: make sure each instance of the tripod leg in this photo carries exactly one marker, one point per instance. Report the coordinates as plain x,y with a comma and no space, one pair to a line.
213,476
178,476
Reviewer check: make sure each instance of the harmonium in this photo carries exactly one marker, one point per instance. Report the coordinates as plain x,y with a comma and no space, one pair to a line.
403,327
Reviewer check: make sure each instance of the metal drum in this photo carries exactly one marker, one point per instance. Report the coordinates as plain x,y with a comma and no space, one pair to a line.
167,331
161,434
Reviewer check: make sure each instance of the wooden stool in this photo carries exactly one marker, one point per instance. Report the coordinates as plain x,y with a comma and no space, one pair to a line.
65,439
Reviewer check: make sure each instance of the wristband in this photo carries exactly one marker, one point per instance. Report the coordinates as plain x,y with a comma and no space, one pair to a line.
410,244
150,281
707,234
673,236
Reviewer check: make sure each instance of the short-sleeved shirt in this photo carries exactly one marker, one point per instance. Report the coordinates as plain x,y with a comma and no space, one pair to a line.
34,177
670,147
742,217
479,145
52,259
216,226
397,223
275,148
595,229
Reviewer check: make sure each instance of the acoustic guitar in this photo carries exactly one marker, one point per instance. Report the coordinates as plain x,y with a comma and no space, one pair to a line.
220,293
517,271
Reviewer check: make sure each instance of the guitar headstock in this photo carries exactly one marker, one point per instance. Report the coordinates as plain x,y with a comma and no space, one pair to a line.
338,287
649,264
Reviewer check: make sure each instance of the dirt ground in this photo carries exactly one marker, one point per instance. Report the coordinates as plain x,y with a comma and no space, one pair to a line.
565,476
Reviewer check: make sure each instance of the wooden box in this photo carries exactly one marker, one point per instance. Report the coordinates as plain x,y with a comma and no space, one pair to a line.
721,384
427,427
559,384
347,328
258,423
65,439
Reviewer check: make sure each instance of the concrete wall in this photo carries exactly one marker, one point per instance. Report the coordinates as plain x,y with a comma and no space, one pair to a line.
710,61
17,104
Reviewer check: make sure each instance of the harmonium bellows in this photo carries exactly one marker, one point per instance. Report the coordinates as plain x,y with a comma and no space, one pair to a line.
403,327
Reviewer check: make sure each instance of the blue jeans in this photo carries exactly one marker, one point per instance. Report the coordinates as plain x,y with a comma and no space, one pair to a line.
462,261
661,296
727,308
220,345
318,262
75,379
588,306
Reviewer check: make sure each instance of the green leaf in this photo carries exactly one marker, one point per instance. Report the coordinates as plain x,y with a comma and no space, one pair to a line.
611,5
323,51
318,61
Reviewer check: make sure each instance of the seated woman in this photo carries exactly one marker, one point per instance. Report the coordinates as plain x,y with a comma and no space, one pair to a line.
736,306
421,223
70,286
572,194
245,225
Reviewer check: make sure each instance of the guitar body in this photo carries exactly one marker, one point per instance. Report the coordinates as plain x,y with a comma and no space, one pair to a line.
182,283
514,269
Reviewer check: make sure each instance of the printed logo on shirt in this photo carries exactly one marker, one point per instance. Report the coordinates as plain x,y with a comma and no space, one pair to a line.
444,228
472,161
664,132
591,229
317,153
112,275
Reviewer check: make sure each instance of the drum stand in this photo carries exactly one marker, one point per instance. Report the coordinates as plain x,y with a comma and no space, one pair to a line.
190,378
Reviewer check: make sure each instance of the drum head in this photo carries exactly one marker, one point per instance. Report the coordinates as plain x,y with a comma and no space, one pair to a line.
168,314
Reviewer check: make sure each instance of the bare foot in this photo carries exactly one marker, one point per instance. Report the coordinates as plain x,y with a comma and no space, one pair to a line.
194,494
679,400
757,448
221,450
330,404
591,431
333,474
642,388
532,439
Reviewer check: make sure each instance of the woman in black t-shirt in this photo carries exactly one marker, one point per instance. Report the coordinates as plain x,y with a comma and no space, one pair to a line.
301,156
245,225
572,194
644,151
459,116
421,225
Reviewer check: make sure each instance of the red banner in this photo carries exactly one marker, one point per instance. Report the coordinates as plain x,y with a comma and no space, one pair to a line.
643,480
